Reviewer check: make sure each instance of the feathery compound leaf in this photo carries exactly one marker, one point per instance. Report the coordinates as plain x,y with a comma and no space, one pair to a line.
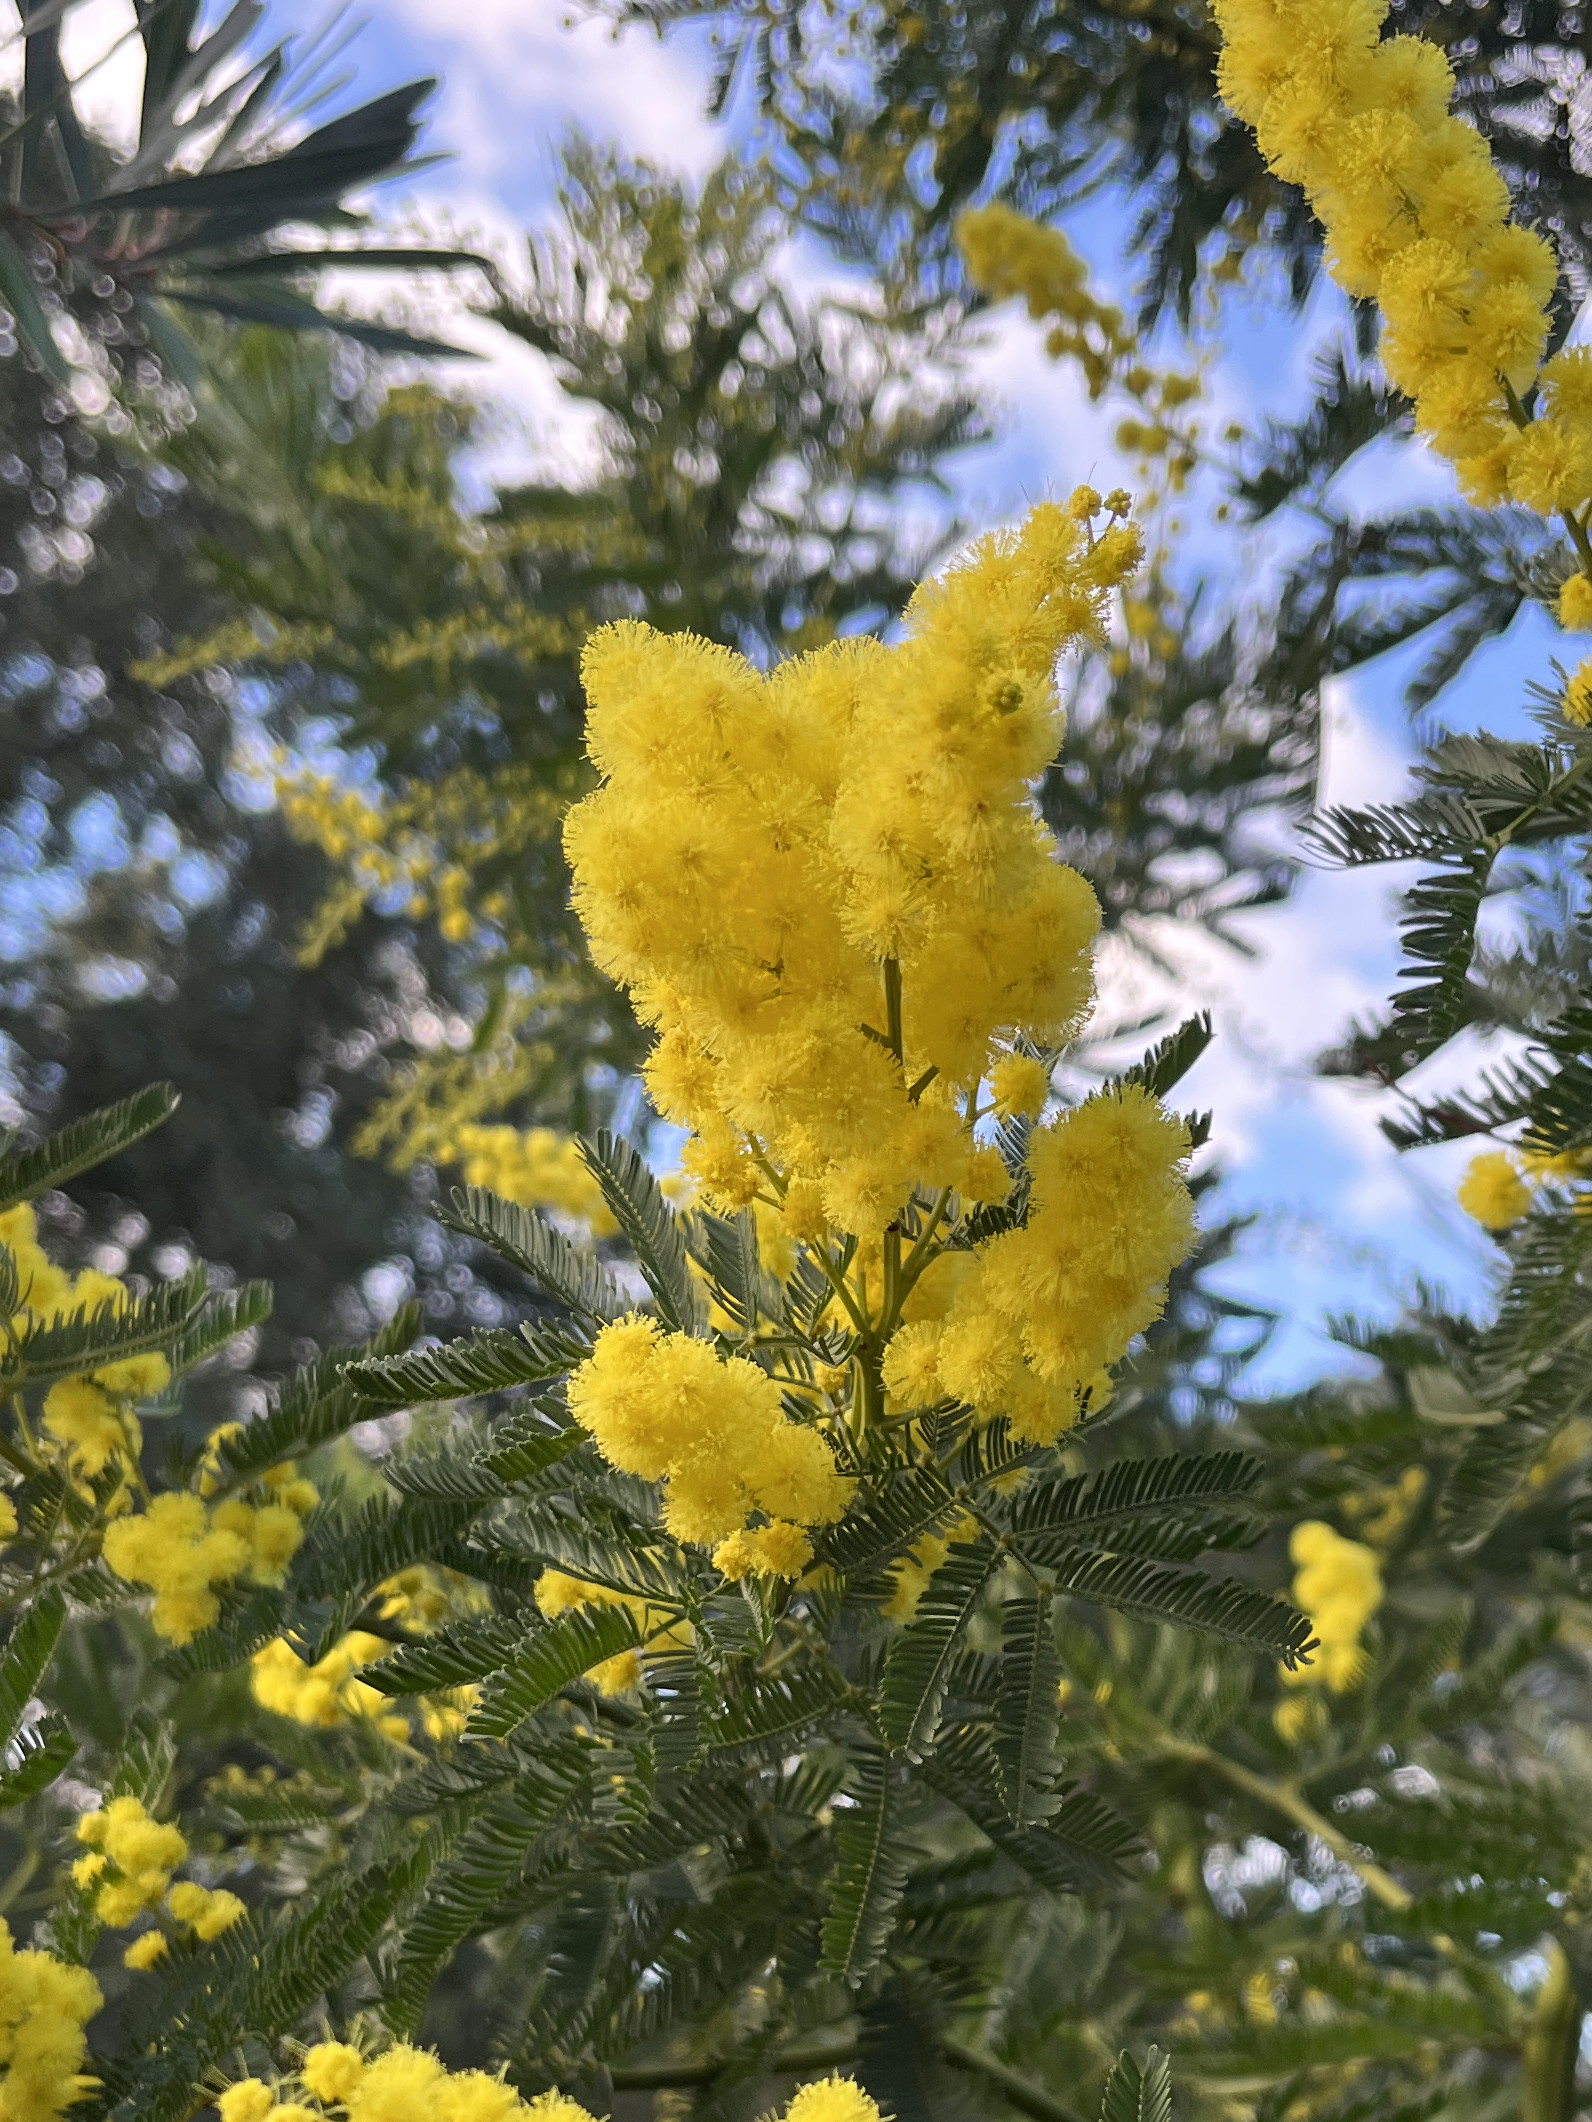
226,1314
1133,2094
1050,1512
880,1528
345,1557
315,1405
547,1659
726,1248
480,1869
768,1714
917,1666
1216,1606
1027,1706
870,1871
528,1443
25,1174
1170,1059
494,1362
44,1751
651,1228
28,1650
531,1244
463,1651
1083,1843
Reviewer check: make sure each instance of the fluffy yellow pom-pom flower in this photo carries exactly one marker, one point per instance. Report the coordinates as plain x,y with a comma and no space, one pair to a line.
1493,1191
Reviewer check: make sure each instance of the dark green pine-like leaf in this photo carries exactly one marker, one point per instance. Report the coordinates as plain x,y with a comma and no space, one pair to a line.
226,1314
918,1664
1170,1059
44,1751
881,1526
1027,1707
1083,1843
345,1557
256,1981
1216,1606
25,1174
28,1651
726,1248
527,1241
462,1651
674,1691
480,1868
444,1472
767,1715
701,1809
1138,2093
528,1444
650,1226
871,1865
1045,1515
493,1362
1497,1461
547,1659
316,1404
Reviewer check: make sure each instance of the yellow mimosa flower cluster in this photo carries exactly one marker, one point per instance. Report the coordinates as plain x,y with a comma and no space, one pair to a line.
326,1693
1418,219
1338,1583
410,2085
1008,254
666,1407
44,2007
827,887
1035,1316
1500,1185
130,1858
534,1166
91,1417
184,1548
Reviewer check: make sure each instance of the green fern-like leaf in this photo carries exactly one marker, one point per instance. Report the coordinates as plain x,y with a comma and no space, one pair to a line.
767,1715
1216,1606
1138,2093
882,1525
461,1652
493,1362
527,1241
918,1664
871,1867
726,1248
651,1228
1051,1513
316,1404
28,1651
1083,1843
1027,1706
44,1751
548,1659
1170,1059
86,1340
98,1136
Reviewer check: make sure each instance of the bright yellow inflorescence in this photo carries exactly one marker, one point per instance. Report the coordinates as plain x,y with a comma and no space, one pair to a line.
829,891
765,855
1500,1185
667,1407
129,1861
410,2085
330,1693
1338,1583
1008,254
184,1547
92,1419
1418,219
44,2007
1038,1315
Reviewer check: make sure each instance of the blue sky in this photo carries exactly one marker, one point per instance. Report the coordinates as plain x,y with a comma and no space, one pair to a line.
1341,1222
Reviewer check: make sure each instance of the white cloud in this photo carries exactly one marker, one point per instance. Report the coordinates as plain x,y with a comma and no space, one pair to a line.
517,74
